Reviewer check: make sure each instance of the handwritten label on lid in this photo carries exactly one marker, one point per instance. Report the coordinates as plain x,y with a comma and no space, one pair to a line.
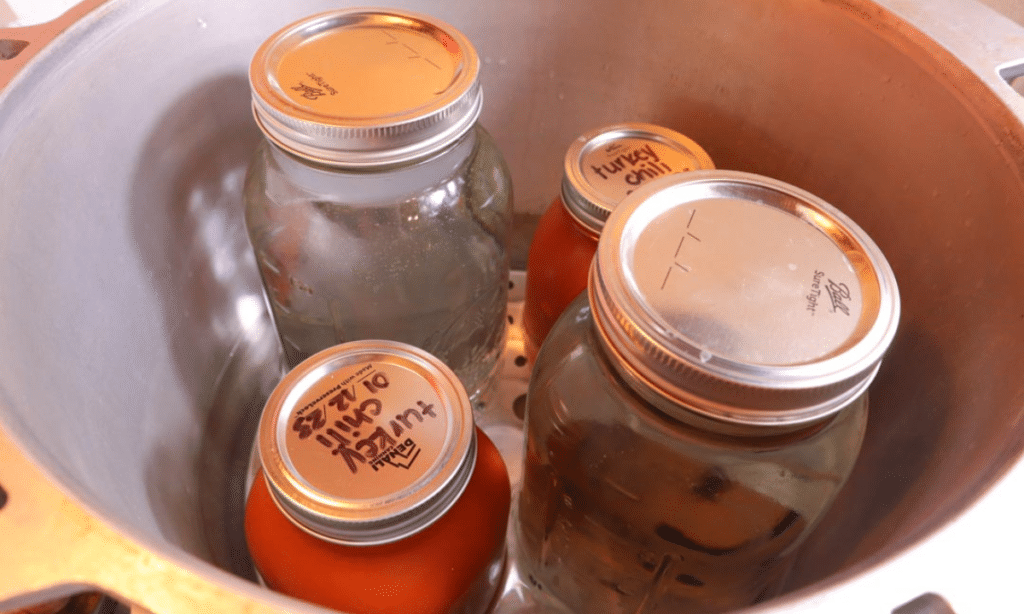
618,167
367,431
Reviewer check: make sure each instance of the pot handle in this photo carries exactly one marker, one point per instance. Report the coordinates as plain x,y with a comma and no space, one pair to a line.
52,547
19,45
988,42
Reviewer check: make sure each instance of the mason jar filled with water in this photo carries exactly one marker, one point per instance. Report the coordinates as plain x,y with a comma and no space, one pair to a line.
377,206
695,412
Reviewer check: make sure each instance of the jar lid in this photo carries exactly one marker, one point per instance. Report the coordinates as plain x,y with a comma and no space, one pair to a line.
742,298
605,165
365,87
367,442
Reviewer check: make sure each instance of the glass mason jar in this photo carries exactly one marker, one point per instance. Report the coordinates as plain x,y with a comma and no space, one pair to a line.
377,206
693,415
375,491
602,167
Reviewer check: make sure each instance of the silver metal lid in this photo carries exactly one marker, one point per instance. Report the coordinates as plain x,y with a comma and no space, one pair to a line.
742,298
367,442
605,165
365,87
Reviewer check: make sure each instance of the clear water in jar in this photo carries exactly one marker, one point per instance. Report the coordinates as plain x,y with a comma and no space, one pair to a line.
689,540
429,268
624,510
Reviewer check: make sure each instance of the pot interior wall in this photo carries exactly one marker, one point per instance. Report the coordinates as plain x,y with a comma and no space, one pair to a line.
129,301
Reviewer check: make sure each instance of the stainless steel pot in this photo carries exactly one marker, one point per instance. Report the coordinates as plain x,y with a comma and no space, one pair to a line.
135,352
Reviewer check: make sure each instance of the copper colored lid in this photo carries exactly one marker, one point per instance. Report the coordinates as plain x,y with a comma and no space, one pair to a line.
366,87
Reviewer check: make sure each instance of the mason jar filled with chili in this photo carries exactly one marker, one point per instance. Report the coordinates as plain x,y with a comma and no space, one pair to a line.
377,206
695,413
602,167
376,492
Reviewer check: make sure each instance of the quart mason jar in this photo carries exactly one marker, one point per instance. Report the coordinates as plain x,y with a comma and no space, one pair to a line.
693,415
377,206
375,491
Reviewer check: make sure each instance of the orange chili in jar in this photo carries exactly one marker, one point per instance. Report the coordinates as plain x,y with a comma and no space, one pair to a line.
602,167
376,492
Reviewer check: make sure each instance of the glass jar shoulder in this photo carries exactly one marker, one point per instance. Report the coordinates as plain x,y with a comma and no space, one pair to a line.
578,402
568,384
463,194
489,171
471,168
